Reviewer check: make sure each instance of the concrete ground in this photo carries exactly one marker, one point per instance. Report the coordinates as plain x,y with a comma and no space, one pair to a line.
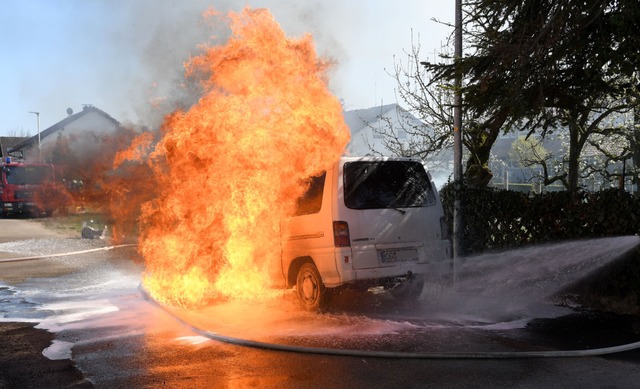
134,344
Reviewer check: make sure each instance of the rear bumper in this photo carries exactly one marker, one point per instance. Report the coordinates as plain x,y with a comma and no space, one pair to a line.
434,262
375,275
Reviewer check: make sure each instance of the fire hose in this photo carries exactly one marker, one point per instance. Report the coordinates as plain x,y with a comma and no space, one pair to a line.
351,352
42,256
396,354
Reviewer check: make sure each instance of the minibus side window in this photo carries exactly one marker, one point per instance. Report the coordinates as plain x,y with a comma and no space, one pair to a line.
311,201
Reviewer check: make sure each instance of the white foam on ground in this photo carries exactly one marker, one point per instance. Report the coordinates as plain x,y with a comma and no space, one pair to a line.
496,292
506,325
45,246
59,349
74,312
19,320
194,340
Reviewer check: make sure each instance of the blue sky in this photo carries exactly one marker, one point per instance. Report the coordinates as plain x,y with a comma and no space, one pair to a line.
118,54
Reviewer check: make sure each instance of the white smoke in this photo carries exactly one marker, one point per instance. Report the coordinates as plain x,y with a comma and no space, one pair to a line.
126,57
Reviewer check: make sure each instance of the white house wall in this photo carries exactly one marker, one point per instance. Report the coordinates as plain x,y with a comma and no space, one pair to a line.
83,135
362,139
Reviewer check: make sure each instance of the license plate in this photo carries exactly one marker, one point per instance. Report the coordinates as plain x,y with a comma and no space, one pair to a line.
388,256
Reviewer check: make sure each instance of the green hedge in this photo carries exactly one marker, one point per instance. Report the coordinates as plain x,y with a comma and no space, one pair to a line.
499,219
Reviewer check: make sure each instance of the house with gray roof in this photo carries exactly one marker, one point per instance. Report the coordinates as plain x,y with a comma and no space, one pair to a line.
8,143
370,126
83,132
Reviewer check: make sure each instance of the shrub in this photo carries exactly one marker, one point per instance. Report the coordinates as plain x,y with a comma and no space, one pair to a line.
499,219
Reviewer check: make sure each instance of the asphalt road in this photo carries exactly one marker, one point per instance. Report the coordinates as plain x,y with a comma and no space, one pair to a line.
93,304
23,229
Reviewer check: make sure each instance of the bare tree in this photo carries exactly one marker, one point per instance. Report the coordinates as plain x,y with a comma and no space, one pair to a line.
430,136
18,132
539,65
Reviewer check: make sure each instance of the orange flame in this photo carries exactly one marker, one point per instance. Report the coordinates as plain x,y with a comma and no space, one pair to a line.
229,169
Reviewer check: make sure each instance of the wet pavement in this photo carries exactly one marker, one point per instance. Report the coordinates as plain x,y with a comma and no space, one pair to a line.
102,319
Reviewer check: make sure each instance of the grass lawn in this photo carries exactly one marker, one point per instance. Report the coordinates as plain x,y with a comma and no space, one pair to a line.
72,223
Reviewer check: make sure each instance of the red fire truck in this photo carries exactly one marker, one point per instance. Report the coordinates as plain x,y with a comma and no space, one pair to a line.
19,186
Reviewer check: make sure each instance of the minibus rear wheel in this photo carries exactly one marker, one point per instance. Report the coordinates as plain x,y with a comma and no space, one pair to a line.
311,291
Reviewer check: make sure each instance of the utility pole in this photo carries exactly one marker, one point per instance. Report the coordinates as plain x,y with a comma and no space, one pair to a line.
38,124
457,139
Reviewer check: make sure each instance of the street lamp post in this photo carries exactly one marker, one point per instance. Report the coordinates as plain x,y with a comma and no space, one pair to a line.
38,123
457,140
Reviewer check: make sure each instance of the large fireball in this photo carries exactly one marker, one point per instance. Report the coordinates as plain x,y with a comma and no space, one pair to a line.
228,169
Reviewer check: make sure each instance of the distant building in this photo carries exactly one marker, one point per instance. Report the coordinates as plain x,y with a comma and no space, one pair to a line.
82,134
8,143
367,126
371,129
508,170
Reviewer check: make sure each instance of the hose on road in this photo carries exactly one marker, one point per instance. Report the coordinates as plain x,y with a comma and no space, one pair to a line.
398,354
356,353
43,256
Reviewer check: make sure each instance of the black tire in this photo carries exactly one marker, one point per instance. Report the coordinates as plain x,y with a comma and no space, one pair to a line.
409,291
311,291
